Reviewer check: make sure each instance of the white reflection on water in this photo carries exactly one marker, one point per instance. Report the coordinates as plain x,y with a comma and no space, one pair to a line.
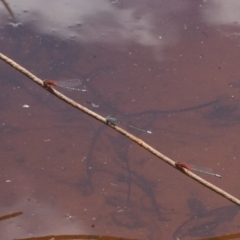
220,12
149,23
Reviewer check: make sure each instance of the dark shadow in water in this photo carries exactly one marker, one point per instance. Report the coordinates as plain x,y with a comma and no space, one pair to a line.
132,177
85,185
204,223
128,218
224,114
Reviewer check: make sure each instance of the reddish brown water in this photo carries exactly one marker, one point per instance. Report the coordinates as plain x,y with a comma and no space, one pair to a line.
168,66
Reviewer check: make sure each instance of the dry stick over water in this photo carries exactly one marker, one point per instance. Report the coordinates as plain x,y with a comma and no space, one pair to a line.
122,131
8,8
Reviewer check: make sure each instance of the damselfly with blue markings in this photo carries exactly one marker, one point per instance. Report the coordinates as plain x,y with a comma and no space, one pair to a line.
114,121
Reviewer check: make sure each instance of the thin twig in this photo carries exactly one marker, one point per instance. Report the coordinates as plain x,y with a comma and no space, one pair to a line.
120,130
10,215
8,8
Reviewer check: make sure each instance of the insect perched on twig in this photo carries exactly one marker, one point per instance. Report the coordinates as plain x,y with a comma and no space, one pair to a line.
68,84
113,121
181,165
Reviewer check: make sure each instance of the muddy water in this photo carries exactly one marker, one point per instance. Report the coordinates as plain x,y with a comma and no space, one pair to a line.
166,66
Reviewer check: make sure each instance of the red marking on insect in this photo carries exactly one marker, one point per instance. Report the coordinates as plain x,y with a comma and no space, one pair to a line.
50,83
69,84
181,165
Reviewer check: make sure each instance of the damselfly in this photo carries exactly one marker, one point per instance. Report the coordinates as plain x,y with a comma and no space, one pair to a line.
69,84
181,165
114,121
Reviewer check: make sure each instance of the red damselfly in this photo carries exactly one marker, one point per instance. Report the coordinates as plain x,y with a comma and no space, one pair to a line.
181,165
69,84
